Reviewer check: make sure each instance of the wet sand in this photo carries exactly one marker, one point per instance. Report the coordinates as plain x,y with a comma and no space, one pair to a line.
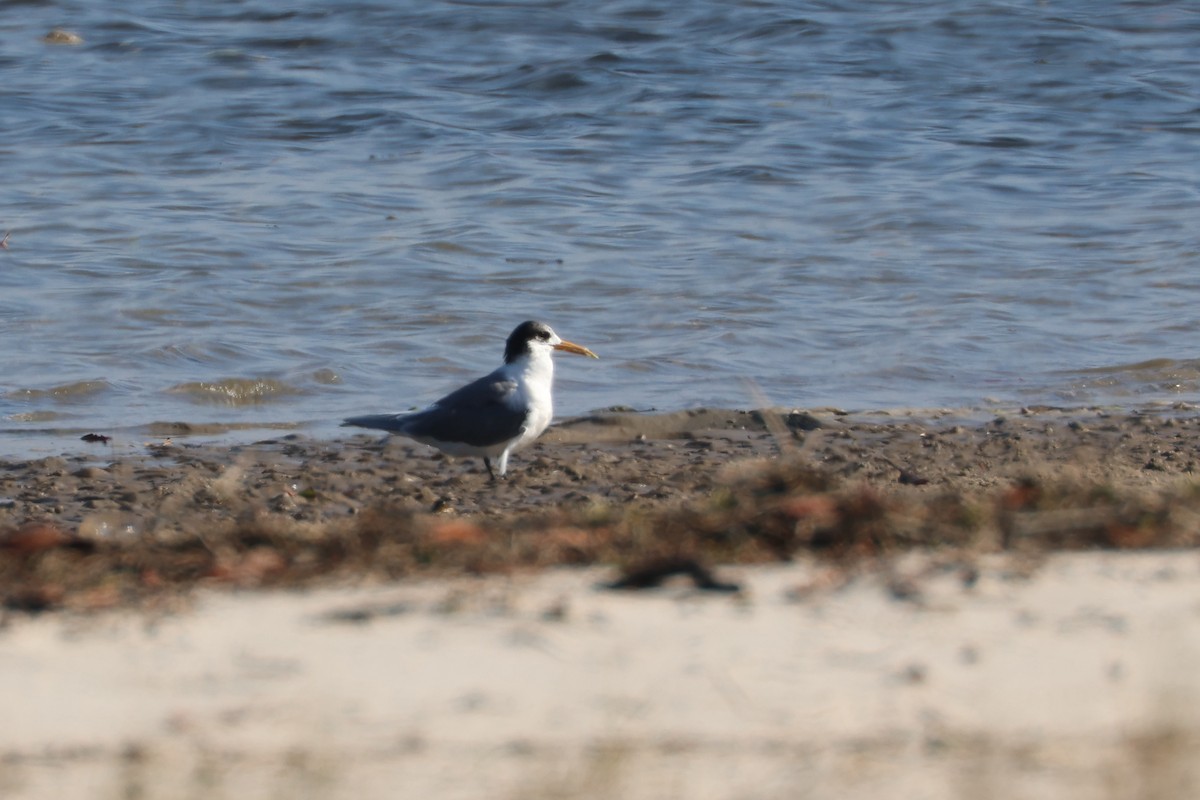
178,485
950,605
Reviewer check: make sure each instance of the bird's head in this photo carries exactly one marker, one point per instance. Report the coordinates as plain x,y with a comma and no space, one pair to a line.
531,337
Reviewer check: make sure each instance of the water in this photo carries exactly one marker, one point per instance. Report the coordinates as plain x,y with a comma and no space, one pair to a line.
236,215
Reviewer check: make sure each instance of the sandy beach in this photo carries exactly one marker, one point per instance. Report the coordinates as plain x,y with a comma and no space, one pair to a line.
814,604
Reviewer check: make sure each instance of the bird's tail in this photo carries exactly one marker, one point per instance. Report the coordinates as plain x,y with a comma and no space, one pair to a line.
383,422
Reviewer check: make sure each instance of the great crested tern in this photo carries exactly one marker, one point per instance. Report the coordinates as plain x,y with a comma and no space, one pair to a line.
495,415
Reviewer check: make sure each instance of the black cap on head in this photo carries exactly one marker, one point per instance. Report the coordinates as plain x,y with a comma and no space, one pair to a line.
518,341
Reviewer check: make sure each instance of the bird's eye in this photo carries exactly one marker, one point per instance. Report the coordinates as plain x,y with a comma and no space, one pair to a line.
543,335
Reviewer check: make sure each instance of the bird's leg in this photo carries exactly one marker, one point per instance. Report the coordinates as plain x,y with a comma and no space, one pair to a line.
502,463
487,462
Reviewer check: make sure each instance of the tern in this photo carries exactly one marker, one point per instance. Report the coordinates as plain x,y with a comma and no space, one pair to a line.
495,415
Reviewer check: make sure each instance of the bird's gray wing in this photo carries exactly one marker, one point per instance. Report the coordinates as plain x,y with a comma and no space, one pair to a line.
479,414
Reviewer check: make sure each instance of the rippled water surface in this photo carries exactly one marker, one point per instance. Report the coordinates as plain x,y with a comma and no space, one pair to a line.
246,213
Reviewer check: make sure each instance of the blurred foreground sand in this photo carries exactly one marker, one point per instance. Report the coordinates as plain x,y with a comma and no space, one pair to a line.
1077,678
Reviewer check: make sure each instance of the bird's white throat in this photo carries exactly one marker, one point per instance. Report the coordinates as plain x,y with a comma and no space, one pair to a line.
534,374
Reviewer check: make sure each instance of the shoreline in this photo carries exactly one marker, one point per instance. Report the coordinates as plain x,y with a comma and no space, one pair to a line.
69,440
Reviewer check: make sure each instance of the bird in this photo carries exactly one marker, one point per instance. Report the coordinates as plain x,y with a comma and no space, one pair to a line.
495,415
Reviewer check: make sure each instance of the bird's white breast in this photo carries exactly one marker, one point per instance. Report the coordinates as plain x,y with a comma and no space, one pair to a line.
534,377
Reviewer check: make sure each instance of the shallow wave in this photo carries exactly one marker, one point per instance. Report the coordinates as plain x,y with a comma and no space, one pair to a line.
236,391
76,391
